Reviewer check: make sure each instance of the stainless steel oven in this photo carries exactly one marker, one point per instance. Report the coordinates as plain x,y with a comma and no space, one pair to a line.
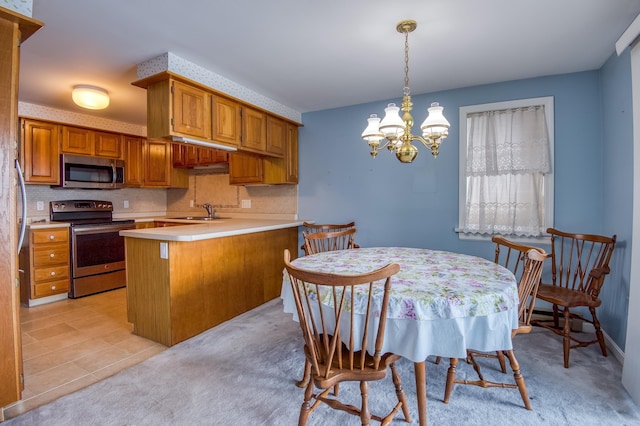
97,249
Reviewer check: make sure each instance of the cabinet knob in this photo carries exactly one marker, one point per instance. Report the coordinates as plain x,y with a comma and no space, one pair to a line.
51,237
52,255
53,274
53,287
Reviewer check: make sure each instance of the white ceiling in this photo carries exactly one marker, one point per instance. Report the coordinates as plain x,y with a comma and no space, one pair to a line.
313,55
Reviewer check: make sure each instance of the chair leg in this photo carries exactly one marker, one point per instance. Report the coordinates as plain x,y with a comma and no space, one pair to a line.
556,319
307,374
365,415
519,379
400,392
503,366
566,336
306,407
599,334
451,378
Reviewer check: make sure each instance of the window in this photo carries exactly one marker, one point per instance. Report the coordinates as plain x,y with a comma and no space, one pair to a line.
506,169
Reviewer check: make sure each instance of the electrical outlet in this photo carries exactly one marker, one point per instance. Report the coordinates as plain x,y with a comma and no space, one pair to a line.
191,203
126,204
164,250
245,204
39,205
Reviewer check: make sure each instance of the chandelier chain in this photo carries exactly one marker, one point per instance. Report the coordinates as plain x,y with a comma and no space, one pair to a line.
406,63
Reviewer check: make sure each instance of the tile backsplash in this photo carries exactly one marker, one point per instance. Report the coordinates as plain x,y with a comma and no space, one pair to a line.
213,188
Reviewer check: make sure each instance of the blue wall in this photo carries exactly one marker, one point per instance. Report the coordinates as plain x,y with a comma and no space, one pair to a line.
416,205
617,156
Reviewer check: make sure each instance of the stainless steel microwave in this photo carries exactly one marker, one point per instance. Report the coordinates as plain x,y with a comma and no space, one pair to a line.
79,171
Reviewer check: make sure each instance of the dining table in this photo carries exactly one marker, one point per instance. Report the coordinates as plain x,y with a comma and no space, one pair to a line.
441,303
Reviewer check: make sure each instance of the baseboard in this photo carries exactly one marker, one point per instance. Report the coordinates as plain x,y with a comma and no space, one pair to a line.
583,326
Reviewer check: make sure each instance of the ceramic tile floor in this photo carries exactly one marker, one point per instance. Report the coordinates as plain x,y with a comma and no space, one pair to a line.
70,344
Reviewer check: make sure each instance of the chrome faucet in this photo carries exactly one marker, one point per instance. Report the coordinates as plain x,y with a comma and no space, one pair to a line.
209,208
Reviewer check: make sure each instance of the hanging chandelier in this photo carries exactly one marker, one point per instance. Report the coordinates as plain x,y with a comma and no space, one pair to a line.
396,130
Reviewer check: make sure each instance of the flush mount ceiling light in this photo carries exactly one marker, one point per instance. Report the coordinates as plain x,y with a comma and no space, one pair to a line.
90,97
396,130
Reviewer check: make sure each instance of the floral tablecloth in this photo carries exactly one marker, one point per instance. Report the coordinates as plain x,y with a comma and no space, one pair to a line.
441,303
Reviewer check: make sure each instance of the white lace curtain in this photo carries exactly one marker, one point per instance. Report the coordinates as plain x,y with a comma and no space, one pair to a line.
507,159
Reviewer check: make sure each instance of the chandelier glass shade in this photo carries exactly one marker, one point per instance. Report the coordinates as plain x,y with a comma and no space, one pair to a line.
395,130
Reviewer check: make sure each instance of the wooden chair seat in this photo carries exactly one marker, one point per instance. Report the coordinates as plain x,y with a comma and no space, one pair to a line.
566,297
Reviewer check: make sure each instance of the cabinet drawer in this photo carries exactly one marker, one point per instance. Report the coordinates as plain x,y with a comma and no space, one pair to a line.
52,273
50,288
53,254
42,236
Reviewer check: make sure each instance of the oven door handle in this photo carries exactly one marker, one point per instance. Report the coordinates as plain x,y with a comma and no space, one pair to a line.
101,229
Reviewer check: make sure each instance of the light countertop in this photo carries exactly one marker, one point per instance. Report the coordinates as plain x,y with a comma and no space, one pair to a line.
224,227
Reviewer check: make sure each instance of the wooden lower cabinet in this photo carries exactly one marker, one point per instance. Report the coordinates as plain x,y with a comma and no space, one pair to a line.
202,283
46,261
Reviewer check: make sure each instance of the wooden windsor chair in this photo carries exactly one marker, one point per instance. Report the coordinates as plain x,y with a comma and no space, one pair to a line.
337,337
527,263
580,263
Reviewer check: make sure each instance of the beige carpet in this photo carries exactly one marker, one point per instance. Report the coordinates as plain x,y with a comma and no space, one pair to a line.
243,372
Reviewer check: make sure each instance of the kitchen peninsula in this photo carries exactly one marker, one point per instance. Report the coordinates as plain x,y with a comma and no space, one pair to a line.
183,280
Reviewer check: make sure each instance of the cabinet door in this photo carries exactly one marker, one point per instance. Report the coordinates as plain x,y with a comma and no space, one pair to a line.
221,156
108,144
76,140
40,152
178,155
157,163
191,111
276,136
206,156
245,168
226,120
191,155
133,163
254,130
291,154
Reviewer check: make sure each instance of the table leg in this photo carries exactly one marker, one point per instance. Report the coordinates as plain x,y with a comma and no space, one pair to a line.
421,391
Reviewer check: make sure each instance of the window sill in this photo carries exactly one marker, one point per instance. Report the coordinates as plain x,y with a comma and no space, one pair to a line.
535,241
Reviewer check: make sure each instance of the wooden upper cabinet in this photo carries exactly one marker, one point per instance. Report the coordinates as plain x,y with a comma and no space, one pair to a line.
40,152
158,170
276,136
245,168
225,120
254,130
252,169
108,144
157,158
133,162
77,140
191,111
